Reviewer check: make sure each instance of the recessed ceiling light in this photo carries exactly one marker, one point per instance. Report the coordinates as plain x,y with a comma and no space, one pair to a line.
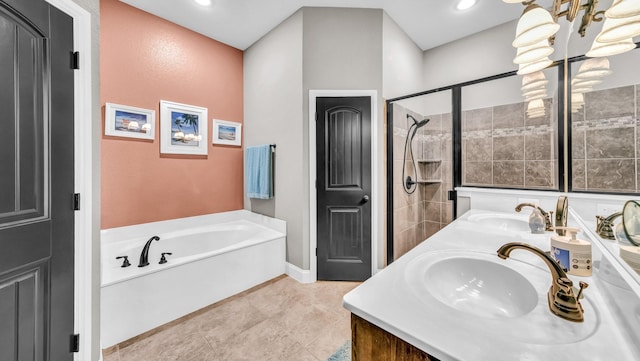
465,4
203,2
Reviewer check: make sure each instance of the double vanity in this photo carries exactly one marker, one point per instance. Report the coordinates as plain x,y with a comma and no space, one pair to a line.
454,298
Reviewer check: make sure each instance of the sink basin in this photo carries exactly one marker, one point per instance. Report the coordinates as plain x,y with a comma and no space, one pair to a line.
477,285
505,222
478,291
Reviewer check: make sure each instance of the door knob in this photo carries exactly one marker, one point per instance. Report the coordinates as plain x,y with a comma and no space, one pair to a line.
365,199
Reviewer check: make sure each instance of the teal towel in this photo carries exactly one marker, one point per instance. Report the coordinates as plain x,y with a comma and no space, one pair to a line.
258,172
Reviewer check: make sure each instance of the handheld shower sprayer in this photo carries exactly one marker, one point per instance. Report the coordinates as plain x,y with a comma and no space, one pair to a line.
413,128
416,123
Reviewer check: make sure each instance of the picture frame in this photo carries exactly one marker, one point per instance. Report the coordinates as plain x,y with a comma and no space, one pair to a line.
129,122
183,128
226,132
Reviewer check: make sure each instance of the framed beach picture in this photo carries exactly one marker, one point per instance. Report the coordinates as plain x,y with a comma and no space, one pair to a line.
183,128
226,132
130,122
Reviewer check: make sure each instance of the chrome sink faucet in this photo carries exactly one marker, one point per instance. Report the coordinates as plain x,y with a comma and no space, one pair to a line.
548,226
562,302
144,255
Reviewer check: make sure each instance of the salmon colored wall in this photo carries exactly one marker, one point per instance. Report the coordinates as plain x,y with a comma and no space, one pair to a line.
144,59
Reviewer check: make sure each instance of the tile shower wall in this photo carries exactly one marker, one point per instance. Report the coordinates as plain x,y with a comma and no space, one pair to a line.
605,146
502,147
419,215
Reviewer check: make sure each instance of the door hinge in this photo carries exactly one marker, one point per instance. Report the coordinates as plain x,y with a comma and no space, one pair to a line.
316,252
76,201
75,60
453,195
316,116
74,345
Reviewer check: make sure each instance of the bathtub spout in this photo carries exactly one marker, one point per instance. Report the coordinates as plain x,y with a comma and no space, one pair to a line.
144,256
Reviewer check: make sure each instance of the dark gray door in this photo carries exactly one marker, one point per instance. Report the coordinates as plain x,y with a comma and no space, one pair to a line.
36,182
343,145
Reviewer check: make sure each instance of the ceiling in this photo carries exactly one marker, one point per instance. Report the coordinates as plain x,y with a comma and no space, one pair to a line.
240,23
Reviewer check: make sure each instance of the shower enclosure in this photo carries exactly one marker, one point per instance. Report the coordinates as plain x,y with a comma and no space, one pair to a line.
421,206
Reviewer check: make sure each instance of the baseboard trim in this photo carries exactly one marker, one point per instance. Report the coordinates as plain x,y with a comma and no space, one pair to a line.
298,274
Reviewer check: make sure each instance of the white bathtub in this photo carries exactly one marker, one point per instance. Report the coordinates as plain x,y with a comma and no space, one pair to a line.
213,257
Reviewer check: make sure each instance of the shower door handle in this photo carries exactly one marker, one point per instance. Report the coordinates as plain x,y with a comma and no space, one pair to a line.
365,199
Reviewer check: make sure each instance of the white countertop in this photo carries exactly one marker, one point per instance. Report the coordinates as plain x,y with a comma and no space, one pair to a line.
389,301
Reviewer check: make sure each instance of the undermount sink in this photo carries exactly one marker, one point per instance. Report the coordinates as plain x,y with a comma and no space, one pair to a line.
505,222
476,284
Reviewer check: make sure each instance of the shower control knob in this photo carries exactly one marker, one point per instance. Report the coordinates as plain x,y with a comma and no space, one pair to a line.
163,259
365,199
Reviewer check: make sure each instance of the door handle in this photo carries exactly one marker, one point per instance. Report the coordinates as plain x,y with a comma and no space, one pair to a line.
365,199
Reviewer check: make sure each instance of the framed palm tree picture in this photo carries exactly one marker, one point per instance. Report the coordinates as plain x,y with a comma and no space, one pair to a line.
183,128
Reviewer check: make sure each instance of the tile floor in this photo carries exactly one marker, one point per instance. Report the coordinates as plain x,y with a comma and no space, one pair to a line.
280,320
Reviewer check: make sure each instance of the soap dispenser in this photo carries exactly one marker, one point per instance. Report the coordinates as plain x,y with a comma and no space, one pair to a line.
573,254
537,223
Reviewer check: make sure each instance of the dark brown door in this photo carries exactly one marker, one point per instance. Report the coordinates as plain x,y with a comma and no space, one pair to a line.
36,182
343,145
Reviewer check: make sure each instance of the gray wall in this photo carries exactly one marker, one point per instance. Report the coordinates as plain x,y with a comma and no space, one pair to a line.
342,51
280,69
402,74
483,54
93,7
273,115
402,69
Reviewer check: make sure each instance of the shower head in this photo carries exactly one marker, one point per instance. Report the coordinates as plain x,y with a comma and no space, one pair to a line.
416,123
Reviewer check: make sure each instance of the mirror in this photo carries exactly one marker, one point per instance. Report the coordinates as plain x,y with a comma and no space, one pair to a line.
631,222
510,131
631,229
561,214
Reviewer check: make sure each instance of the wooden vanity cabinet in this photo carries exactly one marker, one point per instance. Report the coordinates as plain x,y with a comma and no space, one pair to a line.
371,343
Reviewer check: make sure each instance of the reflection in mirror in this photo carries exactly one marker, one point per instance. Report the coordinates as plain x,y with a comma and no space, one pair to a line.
423,152
605,98
509,132
631,227
631,222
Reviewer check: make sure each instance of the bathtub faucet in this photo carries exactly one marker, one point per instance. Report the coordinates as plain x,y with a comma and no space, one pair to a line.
144,256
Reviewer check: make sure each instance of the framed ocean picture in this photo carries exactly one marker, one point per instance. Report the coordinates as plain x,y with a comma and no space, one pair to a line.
183,128
129,122
226,132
